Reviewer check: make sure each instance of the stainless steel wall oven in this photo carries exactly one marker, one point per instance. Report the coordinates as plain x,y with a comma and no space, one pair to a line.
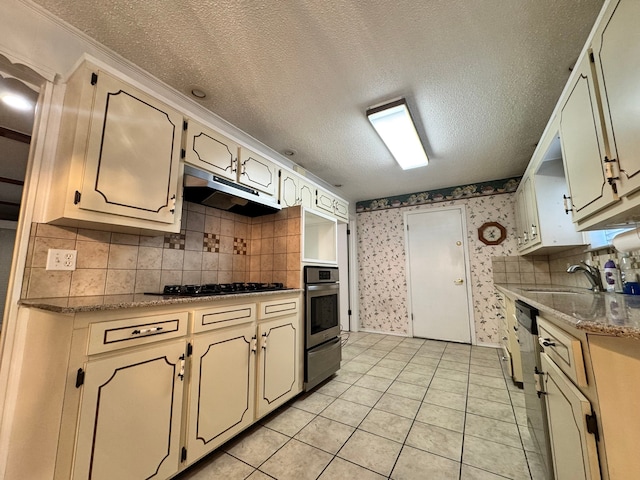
322,324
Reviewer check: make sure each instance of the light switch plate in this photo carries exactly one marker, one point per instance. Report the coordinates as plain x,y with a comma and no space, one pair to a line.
61,259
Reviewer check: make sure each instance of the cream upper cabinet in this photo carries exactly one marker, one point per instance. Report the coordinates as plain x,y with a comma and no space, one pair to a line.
118,155
616,51
130,415
221,397
583,146
527,212
307,194
295,190
328,203
257,172
543,224
210,150
289,189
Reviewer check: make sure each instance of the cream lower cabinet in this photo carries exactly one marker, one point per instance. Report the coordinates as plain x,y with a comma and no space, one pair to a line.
277,379
508,329
573,447
144,393
239,370
130,415
222,383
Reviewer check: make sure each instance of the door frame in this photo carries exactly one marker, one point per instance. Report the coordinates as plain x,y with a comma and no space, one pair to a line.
467,267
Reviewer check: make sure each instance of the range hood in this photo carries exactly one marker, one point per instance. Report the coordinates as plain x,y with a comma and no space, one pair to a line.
213,191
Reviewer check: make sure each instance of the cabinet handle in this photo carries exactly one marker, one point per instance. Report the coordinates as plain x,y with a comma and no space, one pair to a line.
146,330
525,235
566,204
254,344
519,241
534,231
181,374
546,342
264,341
173,204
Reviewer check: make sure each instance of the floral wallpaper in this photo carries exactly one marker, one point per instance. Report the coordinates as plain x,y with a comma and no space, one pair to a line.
382,264
493,187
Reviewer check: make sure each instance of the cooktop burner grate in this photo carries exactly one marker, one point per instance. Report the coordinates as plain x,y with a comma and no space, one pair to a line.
208,289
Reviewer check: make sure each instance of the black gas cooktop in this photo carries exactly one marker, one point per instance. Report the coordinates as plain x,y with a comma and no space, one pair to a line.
209,289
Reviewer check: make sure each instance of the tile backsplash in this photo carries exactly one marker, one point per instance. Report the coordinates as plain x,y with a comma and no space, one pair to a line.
552,269
213,246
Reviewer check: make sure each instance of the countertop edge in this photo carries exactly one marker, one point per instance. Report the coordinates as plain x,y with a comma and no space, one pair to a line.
599,325
121,302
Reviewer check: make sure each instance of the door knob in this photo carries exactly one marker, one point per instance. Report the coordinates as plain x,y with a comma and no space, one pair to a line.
458,281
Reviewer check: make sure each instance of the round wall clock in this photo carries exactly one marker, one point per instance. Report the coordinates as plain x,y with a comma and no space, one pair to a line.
492,233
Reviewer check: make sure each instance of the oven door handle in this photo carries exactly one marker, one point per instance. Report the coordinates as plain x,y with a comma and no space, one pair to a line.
322,349
326,287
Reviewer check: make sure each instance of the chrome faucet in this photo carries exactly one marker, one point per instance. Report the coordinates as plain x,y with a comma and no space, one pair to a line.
592,273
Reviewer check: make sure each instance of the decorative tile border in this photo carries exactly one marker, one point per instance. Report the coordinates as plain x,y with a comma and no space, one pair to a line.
211,243
239,246
494,187
175,241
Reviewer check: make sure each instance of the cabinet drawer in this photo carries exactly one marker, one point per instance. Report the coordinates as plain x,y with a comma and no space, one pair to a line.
108,336
564,349
278,308
221,317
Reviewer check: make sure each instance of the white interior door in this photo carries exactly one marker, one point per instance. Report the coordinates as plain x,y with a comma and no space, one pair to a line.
437,274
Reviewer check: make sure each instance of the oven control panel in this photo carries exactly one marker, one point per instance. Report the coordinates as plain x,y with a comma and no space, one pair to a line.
315,274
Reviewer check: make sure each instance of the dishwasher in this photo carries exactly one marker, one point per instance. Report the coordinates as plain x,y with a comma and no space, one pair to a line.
531,372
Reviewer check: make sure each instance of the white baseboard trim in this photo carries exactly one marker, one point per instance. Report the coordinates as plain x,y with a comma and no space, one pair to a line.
490,345
396,334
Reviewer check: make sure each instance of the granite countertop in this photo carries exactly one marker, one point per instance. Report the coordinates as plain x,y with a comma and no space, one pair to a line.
117,302
613,314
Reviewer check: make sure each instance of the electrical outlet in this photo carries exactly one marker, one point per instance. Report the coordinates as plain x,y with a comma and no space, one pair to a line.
61,259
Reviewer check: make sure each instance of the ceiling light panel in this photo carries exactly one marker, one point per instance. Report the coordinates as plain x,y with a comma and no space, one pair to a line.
394,125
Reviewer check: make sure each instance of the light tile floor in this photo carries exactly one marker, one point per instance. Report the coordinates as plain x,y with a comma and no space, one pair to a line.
399,408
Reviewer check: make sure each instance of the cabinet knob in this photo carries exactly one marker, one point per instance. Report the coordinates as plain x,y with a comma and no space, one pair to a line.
458,281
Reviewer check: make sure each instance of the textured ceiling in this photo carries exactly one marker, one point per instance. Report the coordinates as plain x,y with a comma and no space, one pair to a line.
481,77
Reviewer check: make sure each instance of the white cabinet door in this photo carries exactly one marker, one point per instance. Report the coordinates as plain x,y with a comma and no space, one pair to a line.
210,150
132,155
531,209
307,194
258,172
277,363
324,201
583,147
130,415
521,219
616,48
289,189
341,209
573,448
221,396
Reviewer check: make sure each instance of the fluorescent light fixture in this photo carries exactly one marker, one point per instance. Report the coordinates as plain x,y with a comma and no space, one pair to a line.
395,126
17,101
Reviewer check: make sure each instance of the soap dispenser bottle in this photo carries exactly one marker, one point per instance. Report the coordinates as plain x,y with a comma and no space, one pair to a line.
612,277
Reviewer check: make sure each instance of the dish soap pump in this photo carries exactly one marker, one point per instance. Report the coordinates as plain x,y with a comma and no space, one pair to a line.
611,277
